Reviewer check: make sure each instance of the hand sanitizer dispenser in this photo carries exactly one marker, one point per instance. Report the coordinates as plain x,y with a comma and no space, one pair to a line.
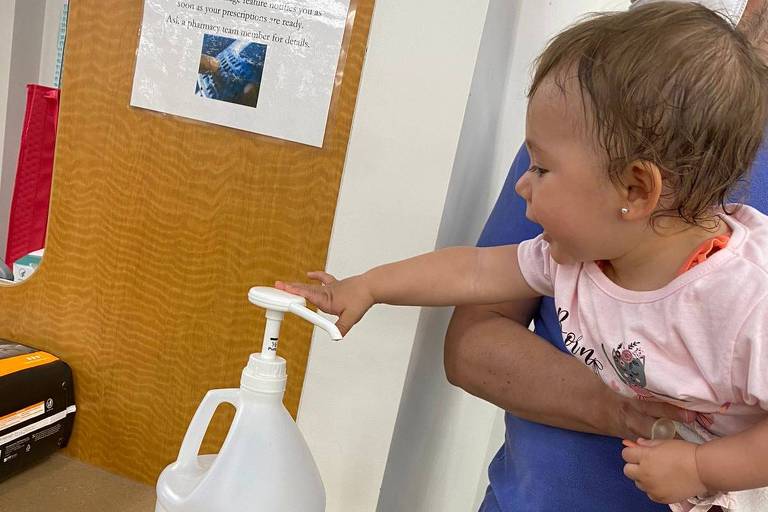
264,464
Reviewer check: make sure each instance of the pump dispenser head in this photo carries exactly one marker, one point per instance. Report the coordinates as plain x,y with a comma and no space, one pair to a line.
266,371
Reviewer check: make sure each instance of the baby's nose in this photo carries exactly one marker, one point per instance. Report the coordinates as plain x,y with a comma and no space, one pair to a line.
522,187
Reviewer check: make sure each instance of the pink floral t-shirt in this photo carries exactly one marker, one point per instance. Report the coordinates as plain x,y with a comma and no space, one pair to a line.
700,342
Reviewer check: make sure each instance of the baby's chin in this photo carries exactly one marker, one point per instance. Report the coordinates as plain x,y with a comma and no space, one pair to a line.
561,257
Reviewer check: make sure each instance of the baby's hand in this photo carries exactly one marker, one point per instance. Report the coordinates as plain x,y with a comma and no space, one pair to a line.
349,299
664,470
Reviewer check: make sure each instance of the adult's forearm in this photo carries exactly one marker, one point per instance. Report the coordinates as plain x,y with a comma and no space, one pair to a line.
502,361
490,353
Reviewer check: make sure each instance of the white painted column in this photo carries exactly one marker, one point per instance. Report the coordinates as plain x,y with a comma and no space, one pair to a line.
410,108
439,456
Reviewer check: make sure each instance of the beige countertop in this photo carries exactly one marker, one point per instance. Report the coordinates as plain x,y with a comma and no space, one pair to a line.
63,484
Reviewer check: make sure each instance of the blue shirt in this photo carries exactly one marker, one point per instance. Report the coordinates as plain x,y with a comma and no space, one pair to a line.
547,469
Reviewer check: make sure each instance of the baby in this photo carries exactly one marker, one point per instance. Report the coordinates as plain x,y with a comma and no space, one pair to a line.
639,126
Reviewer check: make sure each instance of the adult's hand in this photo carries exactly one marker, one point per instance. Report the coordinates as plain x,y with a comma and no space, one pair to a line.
208,64
490,353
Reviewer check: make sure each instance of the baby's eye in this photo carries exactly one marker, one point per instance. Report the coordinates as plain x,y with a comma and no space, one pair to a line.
538,170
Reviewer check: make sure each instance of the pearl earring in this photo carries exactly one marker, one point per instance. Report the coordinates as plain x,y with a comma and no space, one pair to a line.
624,211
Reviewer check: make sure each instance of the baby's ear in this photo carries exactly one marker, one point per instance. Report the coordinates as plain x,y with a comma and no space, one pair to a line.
641,186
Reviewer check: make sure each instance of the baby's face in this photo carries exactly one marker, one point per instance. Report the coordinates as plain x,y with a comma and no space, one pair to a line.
567,190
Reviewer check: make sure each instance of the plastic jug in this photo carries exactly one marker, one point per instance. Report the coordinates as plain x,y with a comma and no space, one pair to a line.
264,464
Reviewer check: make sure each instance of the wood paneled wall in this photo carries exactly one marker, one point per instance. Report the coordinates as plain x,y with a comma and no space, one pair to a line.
158,227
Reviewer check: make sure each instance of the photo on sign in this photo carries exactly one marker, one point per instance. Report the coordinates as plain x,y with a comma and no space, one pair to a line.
230,70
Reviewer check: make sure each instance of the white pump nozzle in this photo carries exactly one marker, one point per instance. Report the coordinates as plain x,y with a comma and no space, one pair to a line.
273,299
265,371
311,316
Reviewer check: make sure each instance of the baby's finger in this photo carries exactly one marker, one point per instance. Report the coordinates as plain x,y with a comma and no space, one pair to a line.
632,471
649,443
323,277
313,293
346,320
288,287
342,327
631,455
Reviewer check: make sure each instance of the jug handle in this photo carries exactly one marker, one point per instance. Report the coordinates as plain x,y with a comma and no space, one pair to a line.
194,436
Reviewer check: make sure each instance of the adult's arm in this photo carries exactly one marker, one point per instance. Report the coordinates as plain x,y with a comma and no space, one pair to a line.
490,353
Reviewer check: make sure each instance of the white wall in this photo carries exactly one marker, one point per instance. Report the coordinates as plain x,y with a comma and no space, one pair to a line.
408,118
438,458
6,40
427,157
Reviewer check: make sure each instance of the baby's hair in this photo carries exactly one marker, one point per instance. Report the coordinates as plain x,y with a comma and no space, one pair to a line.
672,84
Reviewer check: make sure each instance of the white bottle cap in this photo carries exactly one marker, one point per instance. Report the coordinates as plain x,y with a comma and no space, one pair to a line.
264,375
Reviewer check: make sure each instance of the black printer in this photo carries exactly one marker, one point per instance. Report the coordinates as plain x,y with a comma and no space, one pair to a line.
37,406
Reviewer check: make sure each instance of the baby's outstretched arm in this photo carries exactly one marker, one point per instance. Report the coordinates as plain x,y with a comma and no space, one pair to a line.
448,277
672,471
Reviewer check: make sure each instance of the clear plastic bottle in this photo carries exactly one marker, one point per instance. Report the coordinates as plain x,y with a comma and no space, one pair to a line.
264,464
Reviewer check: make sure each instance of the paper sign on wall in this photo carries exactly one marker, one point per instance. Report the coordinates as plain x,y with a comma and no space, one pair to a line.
265,66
